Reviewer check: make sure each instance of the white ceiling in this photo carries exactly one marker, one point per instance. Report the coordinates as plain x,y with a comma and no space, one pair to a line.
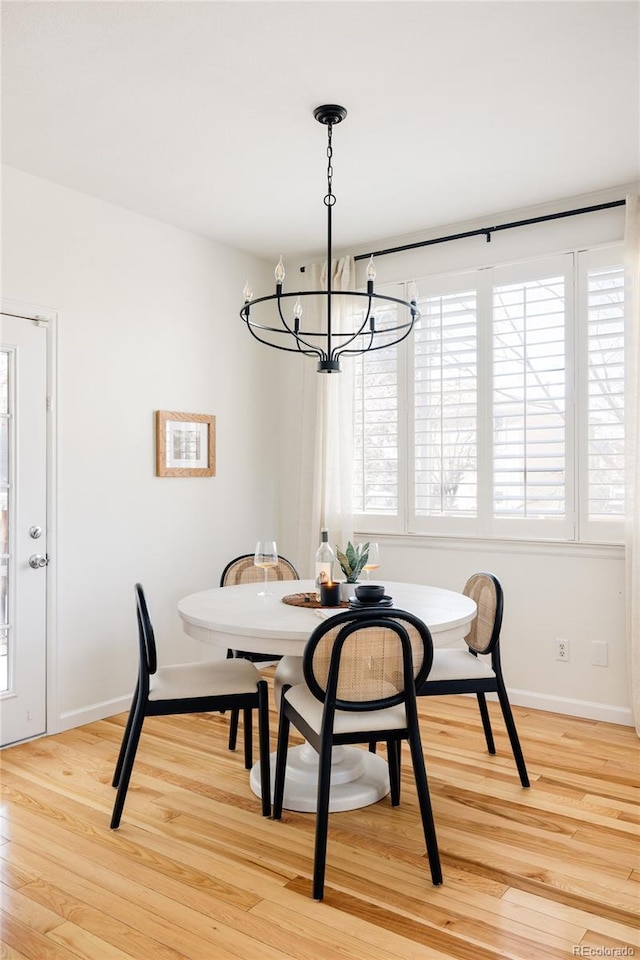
200,113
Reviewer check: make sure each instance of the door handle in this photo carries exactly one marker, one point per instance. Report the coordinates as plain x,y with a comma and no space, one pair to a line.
36,560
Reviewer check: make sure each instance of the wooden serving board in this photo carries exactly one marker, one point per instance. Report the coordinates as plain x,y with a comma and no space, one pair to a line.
307,600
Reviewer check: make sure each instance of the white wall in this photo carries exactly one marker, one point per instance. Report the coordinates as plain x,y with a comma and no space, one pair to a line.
551,591
148,319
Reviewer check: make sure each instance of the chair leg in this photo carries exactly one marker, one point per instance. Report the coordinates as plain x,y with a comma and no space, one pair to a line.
322,820
125,740
247,718
426,810
393,759
486,722
513,735
263,738
230,657
233,729
281,763
127,766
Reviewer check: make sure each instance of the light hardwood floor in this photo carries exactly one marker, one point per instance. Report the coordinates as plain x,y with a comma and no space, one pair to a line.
195,871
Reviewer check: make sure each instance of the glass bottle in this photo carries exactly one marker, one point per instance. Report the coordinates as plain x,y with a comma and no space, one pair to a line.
325,559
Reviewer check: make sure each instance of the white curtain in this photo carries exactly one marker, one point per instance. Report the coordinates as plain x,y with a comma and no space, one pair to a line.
632,444
326,459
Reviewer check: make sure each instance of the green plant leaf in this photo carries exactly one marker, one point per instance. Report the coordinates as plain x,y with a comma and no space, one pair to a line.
362,559
344,563
352,560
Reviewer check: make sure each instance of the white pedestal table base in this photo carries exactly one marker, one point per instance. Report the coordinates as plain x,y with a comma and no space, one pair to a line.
358,779
236,617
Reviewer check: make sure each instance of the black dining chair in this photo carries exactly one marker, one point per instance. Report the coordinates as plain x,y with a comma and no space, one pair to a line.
463,670
361,670
190,688
243,570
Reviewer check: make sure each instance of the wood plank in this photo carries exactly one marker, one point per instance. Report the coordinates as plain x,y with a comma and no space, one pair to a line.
553,909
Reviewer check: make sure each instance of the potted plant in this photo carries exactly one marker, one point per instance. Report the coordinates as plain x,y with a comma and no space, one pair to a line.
352,562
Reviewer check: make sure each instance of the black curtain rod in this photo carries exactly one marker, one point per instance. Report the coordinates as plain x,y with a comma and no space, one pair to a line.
487,231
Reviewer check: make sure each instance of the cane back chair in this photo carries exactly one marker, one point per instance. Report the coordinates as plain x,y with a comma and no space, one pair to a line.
361,670
189,688
243,570
464,671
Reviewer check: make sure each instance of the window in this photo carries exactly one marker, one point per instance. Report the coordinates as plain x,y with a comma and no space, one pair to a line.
503,414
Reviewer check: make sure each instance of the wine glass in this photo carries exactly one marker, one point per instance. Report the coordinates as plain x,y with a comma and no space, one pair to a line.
265,557
373,560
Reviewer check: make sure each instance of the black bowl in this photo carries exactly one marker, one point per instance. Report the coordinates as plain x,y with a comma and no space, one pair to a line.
369,592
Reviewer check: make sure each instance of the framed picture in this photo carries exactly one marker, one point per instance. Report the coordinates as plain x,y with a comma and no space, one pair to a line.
185,444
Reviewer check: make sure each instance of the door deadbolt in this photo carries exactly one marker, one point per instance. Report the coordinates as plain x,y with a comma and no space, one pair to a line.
35,532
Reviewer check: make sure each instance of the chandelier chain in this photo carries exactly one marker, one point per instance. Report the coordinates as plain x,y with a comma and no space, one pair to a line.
330,198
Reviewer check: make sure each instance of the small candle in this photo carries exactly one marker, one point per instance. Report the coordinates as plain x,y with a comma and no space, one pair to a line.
330,594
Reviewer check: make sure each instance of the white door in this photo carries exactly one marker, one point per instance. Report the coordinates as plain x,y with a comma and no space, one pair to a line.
23,528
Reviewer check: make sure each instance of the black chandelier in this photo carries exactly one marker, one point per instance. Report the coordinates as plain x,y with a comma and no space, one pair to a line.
329,344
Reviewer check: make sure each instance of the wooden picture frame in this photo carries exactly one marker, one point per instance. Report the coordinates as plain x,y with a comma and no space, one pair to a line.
185,444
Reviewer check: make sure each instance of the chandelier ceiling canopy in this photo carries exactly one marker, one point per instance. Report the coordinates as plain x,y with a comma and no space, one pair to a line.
337,322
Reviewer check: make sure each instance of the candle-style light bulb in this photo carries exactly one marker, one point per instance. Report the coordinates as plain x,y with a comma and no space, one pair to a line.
413,292
297,310
279,271
247,293
371,270
371,275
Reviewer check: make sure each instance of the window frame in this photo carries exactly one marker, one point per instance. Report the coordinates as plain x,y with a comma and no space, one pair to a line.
575,526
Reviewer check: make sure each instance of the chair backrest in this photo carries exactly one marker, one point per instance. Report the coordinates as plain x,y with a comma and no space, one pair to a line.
367,660
146,638
486,590
243,570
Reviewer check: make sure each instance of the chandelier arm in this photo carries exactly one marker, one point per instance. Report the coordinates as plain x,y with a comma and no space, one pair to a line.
335,353
252,326
311,349
278,346
407,326
381,346
339,351
278,299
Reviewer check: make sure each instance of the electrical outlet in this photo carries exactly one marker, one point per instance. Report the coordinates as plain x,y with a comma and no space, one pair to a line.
599,653
562,649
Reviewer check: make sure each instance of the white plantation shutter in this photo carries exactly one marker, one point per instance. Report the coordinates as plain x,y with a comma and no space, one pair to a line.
375,433
602,381
445,370
530,386
376,483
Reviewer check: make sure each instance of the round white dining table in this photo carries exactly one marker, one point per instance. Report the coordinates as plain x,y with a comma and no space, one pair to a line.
239,618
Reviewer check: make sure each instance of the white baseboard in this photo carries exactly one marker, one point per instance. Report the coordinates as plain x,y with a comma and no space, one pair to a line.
585,709
96,711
